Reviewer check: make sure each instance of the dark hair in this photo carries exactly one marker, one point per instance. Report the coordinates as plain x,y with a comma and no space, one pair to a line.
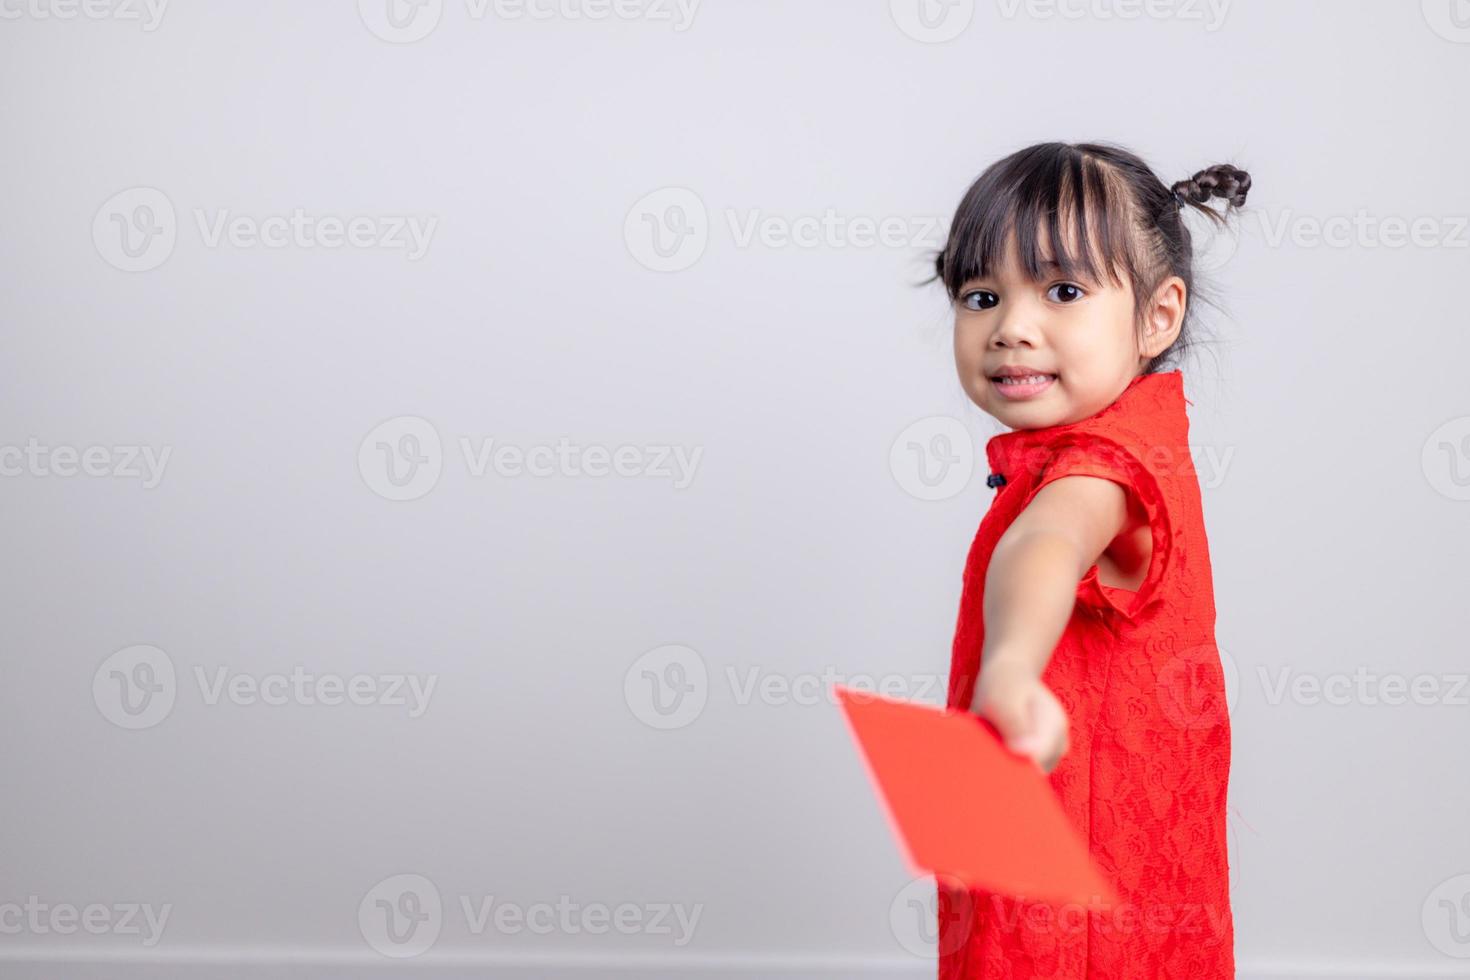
1115,204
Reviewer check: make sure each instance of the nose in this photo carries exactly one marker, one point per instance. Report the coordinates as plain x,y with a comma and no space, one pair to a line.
1015,328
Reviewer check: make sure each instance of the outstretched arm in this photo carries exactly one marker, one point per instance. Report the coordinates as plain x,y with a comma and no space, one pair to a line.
1030,589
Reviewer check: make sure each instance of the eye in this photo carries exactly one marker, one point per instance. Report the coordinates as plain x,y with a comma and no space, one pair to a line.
1073,293
979,299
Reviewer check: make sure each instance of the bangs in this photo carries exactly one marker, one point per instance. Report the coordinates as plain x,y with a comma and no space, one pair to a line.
1083,209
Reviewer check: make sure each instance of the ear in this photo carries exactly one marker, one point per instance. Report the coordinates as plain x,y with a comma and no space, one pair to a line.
1164,317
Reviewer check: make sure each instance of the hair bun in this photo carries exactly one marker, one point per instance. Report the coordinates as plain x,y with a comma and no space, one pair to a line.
1221,180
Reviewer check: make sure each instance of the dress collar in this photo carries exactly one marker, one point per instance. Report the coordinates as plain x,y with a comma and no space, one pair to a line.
1157,397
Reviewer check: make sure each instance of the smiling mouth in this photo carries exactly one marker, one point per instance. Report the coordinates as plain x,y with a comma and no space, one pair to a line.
1023,379
1022,386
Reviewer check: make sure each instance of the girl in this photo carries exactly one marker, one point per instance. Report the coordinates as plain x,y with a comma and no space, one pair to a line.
1086,623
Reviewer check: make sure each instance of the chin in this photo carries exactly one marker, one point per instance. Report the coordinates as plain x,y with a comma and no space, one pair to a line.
1022,414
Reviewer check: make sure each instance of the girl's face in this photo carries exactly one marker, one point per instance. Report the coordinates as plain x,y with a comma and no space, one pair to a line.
1079,333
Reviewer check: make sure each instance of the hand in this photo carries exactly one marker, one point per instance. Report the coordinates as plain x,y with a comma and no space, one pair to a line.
1028,715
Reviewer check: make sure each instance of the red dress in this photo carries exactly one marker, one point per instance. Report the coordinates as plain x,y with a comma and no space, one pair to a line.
1144,781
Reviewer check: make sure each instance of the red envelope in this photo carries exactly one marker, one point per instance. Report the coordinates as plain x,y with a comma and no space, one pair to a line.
964,806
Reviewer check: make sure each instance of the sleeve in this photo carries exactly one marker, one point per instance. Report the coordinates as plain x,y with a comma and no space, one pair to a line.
1093,455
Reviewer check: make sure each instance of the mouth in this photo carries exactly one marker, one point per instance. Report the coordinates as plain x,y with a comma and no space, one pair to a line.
1018,384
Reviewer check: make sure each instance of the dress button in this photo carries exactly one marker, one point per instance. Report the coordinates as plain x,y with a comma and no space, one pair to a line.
994,480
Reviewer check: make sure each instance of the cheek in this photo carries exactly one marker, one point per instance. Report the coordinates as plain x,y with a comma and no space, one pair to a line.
969,345
1105,327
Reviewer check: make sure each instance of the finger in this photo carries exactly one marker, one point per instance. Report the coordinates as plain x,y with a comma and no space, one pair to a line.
1021,736
1012,718
1054,732
1051,715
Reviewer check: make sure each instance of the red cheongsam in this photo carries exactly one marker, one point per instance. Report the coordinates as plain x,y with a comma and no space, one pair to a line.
1144,779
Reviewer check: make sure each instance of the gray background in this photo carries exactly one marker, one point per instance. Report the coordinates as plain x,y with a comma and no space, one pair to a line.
1335,389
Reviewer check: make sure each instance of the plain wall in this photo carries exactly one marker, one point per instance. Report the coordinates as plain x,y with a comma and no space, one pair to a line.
798,549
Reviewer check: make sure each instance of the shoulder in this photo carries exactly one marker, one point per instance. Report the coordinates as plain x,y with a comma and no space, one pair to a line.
1101,486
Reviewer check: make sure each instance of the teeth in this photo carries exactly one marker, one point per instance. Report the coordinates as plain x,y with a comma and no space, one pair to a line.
1030,379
